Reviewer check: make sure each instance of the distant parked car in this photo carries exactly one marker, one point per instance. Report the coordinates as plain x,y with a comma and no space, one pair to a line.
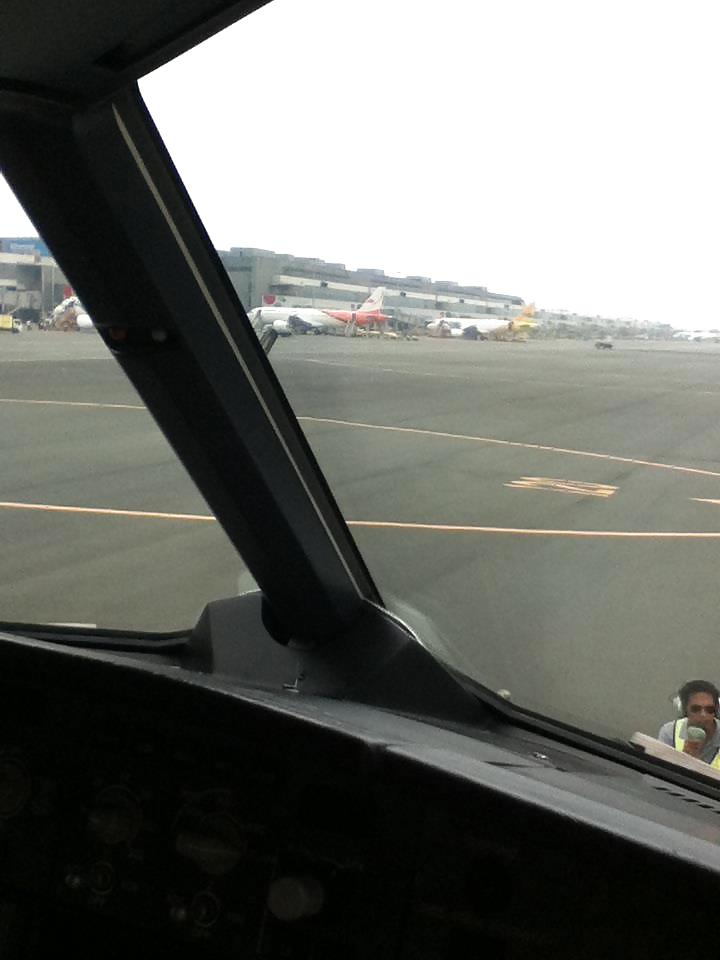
604,344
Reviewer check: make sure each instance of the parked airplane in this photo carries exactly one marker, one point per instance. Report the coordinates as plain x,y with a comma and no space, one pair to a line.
365,316
483,327
70,315
697,335
287,320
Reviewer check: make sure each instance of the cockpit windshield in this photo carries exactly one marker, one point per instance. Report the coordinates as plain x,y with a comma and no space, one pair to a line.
479,232
94,505
482,237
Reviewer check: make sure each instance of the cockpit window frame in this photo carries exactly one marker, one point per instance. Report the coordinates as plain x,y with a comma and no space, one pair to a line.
189,348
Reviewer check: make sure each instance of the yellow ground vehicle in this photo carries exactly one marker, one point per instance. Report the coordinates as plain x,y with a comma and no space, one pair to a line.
9,323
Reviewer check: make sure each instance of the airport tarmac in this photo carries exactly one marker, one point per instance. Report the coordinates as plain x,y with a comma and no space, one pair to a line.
546,513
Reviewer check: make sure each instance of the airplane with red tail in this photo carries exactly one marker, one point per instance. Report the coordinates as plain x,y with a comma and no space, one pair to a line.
287,320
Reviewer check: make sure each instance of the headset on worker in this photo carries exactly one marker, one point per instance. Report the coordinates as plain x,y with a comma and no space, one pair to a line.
681,698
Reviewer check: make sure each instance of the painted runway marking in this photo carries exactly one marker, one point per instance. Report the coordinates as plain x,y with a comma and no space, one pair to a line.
514,443
75,403
580,487
107,512
522,531
378,524
545,448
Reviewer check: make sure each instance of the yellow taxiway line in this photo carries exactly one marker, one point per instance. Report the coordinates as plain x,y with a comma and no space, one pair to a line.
531,531
375,524
106,511
559,485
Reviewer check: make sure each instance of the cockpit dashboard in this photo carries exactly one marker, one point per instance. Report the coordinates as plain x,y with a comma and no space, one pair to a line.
148,806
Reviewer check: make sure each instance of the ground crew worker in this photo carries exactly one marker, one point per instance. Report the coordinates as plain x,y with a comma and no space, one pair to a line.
699,707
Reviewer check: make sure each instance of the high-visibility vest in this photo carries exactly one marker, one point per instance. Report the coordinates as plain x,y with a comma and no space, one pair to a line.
679,731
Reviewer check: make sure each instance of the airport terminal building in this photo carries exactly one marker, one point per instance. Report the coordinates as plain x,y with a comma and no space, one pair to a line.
31,285
31,281
264,278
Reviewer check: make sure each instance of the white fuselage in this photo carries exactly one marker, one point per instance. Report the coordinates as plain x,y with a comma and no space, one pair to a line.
464,327
281,319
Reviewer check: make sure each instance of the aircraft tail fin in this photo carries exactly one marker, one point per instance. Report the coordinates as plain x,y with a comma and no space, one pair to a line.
374,301
524,319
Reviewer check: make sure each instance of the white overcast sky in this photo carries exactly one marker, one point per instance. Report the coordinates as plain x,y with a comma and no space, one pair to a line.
564,151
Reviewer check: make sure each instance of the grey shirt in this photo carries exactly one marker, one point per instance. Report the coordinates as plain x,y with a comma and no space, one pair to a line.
710,747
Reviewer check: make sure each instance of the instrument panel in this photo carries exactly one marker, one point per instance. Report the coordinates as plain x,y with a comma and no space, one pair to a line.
148,813
233,841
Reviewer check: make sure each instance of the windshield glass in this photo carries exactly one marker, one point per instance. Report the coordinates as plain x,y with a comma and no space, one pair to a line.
101,524
483,235
484,240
